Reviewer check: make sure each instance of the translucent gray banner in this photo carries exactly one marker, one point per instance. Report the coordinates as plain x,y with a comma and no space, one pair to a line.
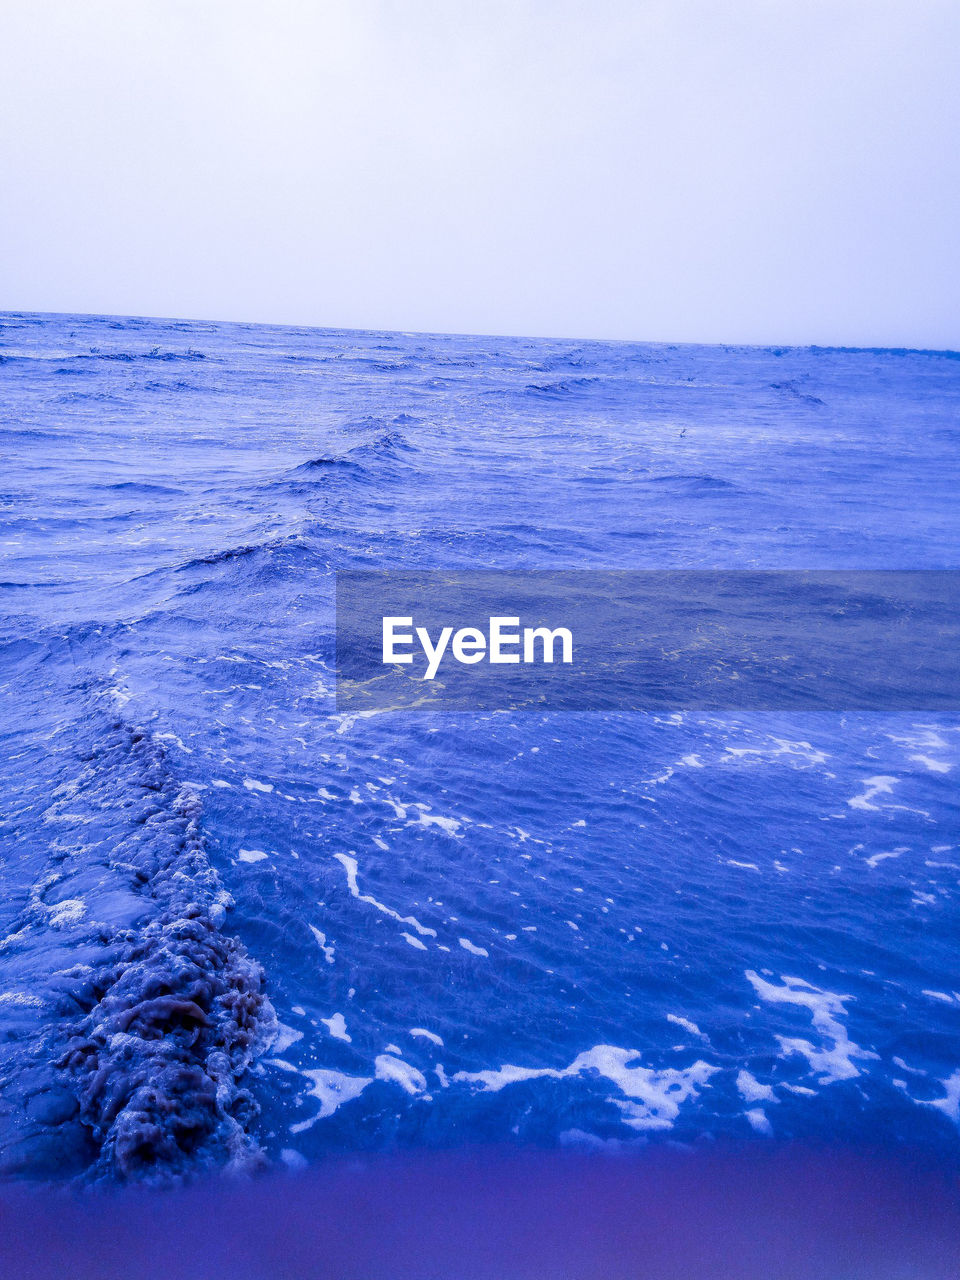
649,639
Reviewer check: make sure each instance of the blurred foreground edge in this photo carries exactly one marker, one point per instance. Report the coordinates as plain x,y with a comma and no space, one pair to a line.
757,1213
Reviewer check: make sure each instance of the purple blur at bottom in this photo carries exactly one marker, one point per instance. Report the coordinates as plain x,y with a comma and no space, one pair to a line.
753,1214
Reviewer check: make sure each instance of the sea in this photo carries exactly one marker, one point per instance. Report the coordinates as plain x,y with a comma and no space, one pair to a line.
245,929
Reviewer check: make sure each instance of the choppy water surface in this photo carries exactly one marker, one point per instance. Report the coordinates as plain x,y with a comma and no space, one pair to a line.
238,927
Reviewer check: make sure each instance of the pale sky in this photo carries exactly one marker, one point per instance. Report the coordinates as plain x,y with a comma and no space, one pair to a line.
679,170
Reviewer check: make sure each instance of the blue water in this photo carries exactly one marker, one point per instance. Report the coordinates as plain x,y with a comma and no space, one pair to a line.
239,928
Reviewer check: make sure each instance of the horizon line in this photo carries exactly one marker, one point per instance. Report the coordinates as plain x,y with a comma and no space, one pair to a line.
945,352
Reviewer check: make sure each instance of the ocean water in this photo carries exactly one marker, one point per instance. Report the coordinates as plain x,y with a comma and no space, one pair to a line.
241,929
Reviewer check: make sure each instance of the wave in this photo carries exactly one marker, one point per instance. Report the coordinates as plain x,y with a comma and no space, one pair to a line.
387,437
292,544
387,446
156,353
221,557
317,464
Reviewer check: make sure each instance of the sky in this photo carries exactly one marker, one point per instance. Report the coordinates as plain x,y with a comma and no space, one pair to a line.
770,171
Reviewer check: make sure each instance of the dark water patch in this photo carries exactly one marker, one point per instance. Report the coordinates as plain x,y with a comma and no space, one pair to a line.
222,557
156,353
377,364
187,326
139,486
562,360
441,361
382,430
390,443
560,389
177,385
792,389
89,397
693,485
306,358
30,433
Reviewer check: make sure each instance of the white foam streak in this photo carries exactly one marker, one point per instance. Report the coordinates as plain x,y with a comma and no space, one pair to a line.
473,948
950,1103
882,785
396,1071
337,1026
349,864
653,1097
333,1089
833,1059
321,937
423,1034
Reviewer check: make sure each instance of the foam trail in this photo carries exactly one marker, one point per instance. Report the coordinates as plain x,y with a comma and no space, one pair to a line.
173,1017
